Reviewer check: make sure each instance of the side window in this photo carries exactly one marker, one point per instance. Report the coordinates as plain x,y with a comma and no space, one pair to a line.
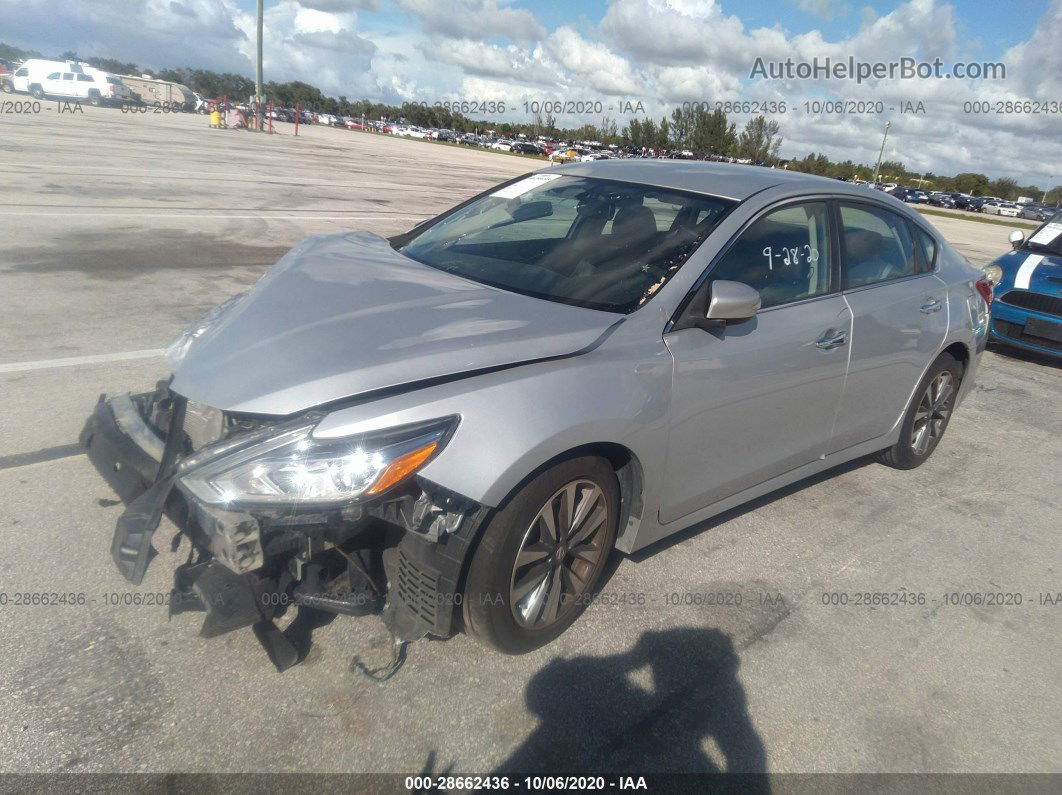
785,255
68,76
925,251
84,79
52,76
877,245
23,72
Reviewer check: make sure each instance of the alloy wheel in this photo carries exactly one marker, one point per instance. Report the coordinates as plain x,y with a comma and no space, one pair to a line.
931,416
559,555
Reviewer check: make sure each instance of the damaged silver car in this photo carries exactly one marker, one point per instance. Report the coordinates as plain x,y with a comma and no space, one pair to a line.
456,427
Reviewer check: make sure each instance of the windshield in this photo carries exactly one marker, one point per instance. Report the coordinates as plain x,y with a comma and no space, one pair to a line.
1048,238
596,243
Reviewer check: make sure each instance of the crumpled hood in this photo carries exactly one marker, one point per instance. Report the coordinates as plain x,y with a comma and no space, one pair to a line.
343,315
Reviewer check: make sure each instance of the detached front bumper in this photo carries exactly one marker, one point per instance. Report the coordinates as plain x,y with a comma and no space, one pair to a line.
404,554
128,466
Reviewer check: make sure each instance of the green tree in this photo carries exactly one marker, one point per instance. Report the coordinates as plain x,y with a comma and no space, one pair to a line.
1004,188
971,183
760,140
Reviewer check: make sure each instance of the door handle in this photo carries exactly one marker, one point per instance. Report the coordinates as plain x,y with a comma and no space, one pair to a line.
831,339
931,305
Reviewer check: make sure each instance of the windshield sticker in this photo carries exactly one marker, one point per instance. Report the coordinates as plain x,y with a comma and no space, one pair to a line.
524,185
1047,234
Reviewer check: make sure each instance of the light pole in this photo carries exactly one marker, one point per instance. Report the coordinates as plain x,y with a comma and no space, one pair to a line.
877,169
258,70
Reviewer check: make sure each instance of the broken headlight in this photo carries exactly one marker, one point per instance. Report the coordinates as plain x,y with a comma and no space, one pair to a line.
294,467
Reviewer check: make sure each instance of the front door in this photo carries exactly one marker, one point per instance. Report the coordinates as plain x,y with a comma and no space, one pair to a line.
758,398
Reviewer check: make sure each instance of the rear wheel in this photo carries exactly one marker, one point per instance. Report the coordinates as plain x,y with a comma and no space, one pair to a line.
541,556
94,98
927,417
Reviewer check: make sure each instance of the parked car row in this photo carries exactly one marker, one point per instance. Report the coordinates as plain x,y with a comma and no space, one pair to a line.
988,205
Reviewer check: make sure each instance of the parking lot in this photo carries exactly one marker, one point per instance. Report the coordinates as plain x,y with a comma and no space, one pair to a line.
119,230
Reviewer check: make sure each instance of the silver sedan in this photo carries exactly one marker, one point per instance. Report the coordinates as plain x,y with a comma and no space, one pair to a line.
465,421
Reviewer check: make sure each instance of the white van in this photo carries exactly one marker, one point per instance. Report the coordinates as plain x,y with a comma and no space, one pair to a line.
69,80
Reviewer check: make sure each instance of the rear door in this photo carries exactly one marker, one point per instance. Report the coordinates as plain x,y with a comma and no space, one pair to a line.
899,317
83,84
756,399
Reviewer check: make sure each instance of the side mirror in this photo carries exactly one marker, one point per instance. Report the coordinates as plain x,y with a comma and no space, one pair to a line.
1017,237
718,303
731,301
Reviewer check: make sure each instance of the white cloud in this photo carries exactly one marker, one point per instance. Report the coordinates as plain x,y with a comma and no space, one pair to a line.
591,65
333,6
491,60
825,9
474,19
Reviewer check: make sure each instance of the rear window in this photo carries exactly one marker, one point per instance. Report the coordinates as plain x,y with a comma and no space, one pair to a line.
925,250
114,81
877,245
84,79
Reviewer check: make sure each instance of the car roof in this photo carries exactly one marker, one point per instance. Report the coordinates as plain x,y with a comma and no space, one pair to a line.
726,180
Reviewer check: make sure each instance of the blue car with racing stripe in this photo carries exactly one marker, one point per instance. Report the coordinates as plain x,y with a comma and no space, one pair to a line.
1027,291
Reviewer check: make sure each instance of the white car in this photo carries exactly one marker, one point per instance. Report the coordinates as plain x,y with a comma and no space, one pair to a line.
1001,208
69,80
1009,209
502,145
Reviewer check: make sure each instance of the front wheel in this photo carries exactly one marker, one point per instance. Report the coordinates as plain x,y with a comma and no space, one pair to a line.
541,556
37,92
927,417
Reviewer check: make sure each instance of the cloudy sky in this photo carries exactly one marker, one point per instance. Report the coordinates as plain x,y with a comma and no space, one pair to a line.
660,53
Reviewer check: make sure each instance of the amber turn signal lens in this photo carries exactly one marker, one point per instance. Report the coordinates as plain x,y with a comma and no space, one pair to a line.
401,467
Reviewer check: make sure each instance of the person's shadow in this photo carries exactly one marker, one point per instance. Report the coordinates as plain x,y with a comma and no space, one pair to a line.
672,704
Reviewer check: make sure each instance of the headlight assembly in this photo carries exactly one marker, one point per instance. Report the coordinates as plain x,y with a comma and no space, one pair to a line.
993,273
182,343
294,467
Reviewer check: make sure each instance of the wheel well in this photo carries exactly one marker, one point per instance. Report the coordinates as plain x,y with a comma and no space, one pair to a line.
959,353
628,473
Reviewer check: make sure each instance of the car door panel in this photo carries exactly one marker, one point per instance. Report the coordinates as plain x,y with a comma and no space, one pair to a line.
752,400
898,322
897,328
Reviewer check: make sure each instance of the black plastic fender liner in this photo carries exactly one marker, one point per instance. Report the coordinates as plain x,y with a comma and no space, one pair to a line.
425,577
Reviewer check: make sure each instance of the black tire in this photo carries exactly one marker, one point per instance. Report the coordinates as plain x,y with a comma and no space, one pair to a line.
8,87
930,416
37,92
493,576
94,98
